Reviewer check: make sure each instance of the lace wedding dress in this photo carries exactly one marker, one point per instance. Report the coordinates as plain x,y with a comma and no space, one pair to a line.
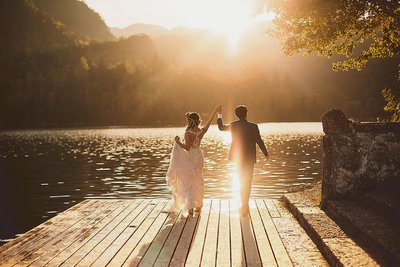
185,177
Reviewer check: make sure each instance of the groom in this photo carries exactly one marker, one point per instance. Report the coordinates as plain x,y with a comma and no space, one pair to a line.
245,136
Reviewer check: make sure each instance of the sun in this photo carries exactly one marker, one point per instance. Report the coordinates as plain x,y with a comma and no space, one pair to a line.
226,17
234,18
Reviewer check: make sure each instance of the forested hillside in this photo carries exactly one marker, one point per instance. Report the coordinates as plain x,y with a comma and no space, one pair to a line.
24,29
57,72
153,31
77,18
50,77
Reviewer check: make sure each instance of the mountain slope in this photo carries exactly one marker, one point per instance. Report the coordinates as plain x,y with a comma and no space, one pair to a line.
77,18
25,29
153,31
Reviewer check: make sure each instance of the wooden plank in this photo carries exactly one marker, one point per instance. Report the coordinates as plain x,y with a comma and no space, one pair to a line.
264,247
62,251
43,229
19,252
250,244
278,248
170,244
132,252
273,211
182,249
87,237
43,226
131,238
197,244
224,246
210,245
94,241
132,220
135,232
59,240
155,247
237,248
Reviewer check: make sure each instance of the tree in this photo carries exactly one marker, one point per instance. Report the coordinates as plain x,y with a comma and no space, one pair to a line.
77,18
351,31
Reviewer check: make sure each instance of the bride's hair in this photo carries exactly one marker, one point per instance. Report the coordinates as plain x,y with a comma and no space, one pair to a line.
193,120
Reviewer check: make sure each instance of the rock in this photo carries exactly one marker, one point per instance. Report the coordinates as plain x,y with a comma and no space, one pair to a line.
335,122
357,156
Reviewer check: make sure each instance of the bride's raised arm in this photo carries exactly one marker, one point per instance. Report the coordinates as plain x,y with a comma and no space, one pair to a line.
207,125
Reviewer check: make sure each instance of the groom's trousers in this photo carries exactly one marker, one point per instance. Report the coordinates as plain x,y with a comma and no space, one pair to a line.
246,179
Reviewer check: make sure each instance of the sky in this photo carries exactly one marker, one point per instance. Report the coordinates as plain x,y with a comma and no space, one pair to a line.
210,14
227,17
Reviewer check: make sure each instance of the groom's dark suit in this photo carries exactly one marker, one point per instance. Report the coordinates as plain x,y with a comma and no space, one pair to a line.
245,136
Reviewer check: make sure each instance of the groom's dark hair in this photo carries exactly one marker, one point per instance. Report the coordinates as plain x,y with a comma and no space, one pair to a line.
241,112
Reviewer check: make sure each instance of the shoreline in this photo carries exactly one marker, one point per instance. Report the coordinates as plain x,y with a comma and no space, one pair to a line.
144,126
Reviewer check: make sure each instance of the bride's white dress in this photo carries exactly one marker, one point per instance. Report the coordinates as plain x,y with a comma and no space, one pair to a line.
185,177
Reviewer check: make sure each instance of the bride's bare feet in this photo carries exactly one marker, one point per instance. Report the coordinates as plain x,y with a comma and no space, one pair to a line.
198,209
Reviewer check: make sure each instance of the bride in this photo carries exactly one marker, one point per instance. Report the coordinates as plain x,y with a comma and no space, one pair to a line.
185,172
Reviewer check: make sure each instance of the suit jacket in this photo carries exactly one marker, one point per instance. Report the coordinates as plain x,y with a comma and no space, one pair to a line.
245,136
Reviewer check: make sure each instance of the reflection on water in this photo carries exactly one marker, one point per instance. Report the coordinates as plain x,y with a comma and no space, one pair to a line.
44,172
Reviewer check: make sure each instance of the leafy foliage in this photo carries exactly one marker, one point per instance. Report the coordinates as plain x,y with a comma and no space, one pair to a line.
392,104
338,27
351,31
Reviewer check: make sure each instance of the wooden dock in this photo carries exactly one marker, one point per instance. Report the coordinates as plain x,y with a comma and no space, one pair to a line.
137,232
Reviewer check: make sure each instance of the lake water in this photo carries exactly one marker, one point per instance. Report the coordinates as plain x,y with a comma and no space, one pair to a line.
44,172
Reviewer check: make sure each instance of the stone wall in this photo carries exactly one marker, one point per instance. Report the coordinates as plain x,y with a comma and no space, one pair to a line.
358,156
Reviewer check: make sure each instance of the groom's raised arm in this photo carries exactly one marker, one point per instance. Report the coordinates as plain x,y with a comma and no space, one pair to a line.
221,125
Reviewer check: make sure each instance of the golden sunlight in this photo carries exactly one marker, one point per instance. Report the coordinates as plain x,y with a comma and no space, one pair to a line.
235,184
232,17
226,138
227,17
